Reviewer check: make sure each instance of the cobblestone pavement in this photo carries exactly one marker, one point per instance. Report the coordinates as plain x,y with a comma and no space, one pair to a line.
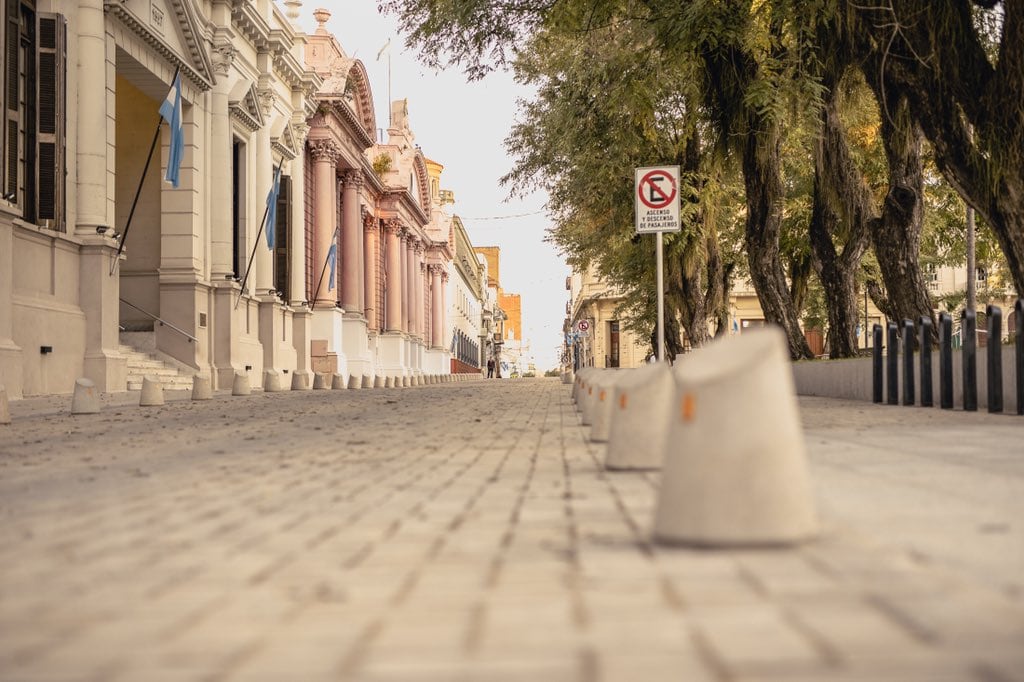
468,532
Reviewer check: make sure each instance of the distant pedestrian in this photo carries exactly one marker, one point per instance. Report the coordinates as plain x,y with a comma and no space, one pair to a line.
490,368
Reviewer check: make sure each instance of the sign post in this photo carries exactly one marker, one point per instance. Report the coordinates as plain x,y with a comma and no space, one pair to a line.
657,211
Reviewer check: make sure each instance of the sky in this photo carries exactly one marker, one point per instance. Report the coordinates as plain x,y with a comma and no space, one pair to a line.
462,126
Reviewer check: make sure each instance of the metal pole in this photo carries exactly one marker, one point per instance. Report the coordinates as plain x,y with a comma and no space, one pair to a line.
972,276
661,300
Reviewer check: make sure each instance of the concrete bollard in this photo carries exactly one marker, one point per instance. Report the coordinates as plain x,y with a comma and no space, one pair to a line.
355,381
300,381
726,485
240,385
419,380
85,399
389,381
405,381
589,398
5,406
152,393
202,388
378,381
638,428
567,377
272,381
338,381
602,414
320,382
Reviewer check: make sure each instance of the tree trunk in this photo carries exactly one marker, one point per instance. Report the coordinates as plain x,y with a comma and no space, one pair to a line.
763,186
838,183
896,234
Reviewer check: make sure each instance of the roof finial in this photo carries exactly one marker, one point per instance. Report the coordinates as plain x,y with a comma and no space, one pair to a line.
293,11
321,15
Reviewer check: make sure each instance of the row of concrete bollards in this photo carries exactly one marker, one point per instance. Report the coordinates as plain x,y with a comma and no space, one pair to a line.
85,399
887,381
723,426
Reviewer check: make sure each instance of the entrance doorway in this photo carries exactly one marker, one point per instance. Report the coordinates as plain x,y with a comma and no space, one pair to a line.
613,343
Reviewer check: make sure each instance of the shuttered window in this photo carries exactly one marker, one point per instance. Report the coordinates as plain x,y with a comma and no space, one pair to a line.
34,86
283,238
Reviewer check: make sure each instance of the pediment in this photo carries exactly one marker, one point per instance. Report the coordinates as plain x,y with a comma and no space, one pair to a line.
244,105
283,139
172,28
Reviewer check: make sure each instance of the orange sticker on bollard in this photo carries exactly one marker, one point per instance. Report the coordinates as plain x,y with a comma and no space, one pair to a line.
622,401
601,396
688,407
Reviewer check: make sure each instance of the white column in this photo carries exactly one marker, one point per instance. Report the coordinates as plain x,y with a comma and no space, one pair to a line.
297,221
404,269
370,269
436,316
91,118
410,285
421,275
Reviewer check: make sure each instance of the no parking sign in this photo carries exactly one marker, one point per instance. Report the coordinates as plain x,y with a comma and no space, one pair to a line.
657,199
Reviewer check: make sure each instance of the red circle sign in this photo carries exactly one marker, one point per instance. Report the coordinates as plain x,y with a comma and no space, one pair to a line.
657,189
583,325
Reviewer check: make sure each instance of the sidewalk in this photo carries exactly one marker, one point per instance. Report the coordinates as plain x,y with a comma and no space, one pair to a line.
468,532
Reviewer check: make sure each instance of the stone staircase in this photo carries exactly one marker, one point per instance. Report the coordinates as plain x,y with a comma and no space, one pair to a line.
142,363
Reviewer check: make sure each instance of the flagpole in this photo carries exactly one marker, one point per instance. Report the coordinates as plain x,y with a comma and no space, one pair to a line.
256,243
138,191
320,281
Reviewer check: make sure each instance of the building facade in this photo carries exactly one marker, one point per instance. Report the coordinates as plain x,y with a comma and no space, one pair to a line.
94,242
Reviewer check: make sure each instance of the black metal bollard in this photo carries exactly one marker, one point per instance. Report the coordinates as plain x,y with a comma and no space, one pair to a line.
969,352
908,362
893,366
876,364
994,357
1019,316
945,361
926,361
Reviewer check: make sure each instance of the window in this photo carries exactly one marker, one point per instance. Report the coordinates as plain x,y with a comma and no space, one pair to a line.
931,276
282,238
32,139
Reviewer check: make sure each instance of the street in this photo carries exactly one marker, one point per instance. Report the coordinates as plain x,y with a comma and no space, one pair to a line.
468,531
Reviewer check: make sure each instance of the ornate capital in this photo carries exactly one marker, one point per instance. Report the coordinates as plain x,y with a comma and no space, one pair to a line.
267,99
436,269
420,247
444,277
324,150
301,130
369,221
352,178
223,54
393,226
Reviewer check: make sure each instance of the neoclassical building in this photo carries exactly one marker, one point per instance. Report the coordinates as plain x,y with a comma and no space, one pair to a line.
196,282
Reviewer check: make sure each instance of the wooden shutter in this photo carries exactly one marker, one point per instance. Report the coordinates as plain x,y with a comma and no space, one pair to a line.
11,70
282,238
51,69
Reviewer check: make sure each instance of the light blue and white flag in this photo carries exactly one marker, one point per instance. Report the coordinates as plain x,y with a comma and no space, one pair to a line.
332,257
170,110
275,188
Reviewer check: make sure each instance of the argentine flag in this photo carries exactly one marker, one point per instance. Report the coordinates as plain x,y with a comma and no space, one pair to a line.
275,188
170,110
332,257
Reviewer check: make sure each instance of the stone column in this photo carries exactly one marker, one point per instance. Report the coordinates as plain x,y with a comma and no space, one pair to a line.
91,118
325,156
263,260
297,220
436,316
221,228
370,268
410,285
404,287
444,307
394,276
421,274
351,251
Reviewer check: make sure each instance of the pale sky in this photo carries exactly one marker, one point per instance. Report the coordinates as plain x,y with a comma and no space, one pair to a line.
462,126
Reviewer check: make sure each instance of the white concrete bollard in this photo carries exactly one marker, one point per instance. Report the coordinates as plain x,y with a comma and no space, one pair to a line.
85,399
367,381
567,377
735,469
588,397
240,385
5,406
338,381
601,415
300,381
355,381
272,381
379,381
389,381
320,382
152,393
202,388
405,381
638,427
